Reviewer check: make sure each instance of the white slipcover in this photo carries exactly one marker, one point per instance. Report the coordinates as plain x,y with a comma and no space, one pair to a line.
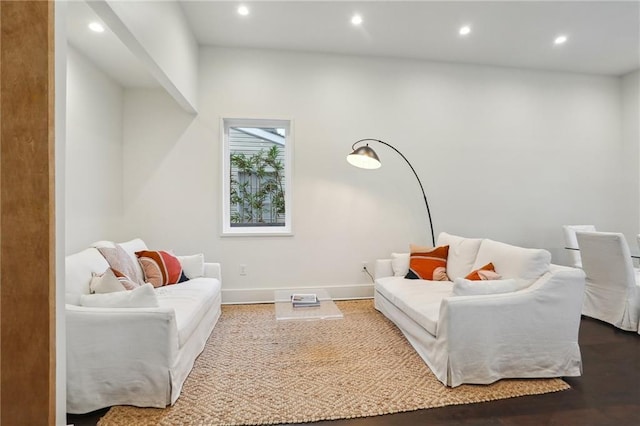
462,254
571,241
134,356
612,293
483,338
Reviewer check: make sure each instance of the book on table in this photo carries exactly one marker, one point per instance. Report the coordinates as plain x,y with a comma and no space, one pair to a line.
300,300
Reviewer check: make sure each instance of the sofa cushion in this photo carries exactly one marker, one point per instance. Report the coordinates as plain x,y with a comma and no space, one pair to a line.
79,268
419,300
141,297
464,287
190,301
428,263
107,282
487,272
462,253
160,267
513,262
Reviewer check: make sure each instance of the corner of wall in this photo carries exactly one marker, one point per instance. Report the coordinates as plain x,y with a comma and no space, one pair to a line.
171,59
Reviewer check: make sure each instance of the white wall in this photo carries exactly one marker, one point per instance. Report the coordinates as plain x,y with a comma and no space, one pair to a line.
158,33
93,154
631,124
503,153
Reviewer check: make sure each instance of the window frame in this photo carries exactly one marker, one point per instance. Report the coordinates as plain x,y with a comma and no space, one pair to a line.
227,230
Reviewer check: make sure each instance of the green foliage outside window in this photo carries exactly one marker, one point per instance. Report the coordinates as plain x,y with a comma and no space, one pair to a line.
258,192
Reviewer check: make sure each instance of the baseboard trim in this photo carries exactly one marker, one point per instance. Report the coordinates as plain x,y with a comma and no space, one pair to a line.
265,295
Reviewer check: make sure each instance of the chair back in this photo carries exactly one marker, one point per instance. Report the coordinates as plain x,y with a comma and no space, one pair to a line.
571,241
611,287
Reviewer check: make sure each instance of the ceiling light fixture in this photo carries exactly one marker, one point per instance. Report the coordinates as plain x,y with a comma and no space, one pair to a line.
561,39
243,10
356,19
464,30
96,27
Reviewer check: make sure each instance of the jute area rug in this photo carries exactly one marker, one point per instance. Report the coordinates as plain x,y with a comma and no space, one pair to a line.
255,370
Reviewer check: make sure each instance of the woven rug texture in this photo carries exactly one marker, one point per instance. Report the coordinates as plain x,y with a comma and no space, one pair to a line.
256,370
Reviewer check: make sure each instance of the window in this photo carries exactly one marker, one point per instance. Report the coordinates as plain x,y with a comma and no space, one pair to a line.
257,164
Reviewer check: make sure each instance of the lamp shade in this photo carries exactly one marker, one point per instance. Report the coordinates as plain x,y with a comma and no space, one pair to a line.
364,158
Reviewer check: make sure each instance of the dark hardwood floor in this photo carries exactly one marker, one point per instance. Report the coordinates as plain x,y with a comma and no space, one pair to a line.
608,393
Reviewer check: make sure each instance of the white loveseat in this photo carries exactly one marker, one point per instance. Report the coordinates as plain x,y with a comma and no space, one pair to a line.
134,356
479,339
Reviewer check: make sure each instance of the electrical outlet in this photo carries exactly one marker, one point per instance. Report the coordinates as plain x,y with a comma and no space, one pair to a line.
365,266
243,269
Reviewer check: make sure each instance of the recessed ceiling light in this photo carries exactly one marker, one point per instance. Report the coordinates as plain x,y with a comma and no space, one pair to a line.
356,19
463,31
561,39
97,27
243,10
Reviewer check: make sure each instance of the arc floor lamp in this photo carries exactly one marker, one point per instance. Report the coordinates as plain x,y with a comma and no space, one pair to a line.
365,157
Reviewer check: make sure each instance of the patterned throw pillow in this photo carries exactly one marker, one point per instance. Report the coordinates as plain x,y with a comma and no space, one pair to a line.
428,263
487,272
160,268
122,266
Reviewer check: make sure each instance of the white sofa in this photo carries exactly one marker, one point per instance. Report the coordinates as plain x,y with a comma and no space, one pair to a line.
479,339
134,356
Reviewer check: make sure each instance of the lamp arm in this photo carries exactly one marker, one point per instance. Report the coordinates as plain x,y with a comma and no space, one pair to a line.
426,203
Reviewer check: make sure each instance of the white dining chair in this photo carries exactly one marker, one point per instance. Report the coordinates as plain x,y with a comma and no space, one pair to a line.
612,293
571,242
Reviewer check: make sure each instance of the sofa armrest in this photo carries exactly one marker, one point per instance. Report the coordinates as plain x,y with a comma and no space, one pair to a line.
383,268
554,302
540,322
212,270
120,347
152,330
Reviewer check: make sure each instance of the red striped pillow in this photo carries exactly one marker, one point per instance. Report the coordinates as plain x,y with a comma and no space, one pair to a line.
160,268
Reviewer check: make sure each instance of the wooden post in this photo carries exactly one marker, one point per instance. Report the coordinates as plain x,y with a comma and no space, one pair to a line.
27,221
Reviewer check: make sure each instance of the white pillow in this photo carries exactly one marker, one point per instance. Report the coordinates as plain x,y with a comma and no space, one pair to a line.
140,297
400,264
462,253
192,266
512,261
105,283
464,287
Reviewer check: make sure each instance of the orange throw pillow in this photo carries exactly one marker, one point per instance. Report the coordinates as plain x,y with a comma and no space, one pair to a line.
487,272
428,263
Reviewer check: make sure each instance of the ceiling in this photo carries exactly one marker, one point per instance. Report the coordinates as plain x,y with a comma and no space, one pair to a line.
603,37
105,49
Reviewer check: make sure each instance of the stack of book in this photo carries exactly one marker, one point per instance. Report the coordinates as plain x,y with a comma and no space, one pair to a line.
304,300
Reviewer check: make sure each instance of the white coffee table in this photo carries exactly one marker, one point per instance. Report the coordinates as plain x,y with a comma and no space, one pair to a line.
286,312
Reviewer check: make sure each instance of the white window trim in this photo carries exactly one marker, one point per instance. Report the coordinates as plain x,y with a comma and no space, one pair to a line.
227,229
